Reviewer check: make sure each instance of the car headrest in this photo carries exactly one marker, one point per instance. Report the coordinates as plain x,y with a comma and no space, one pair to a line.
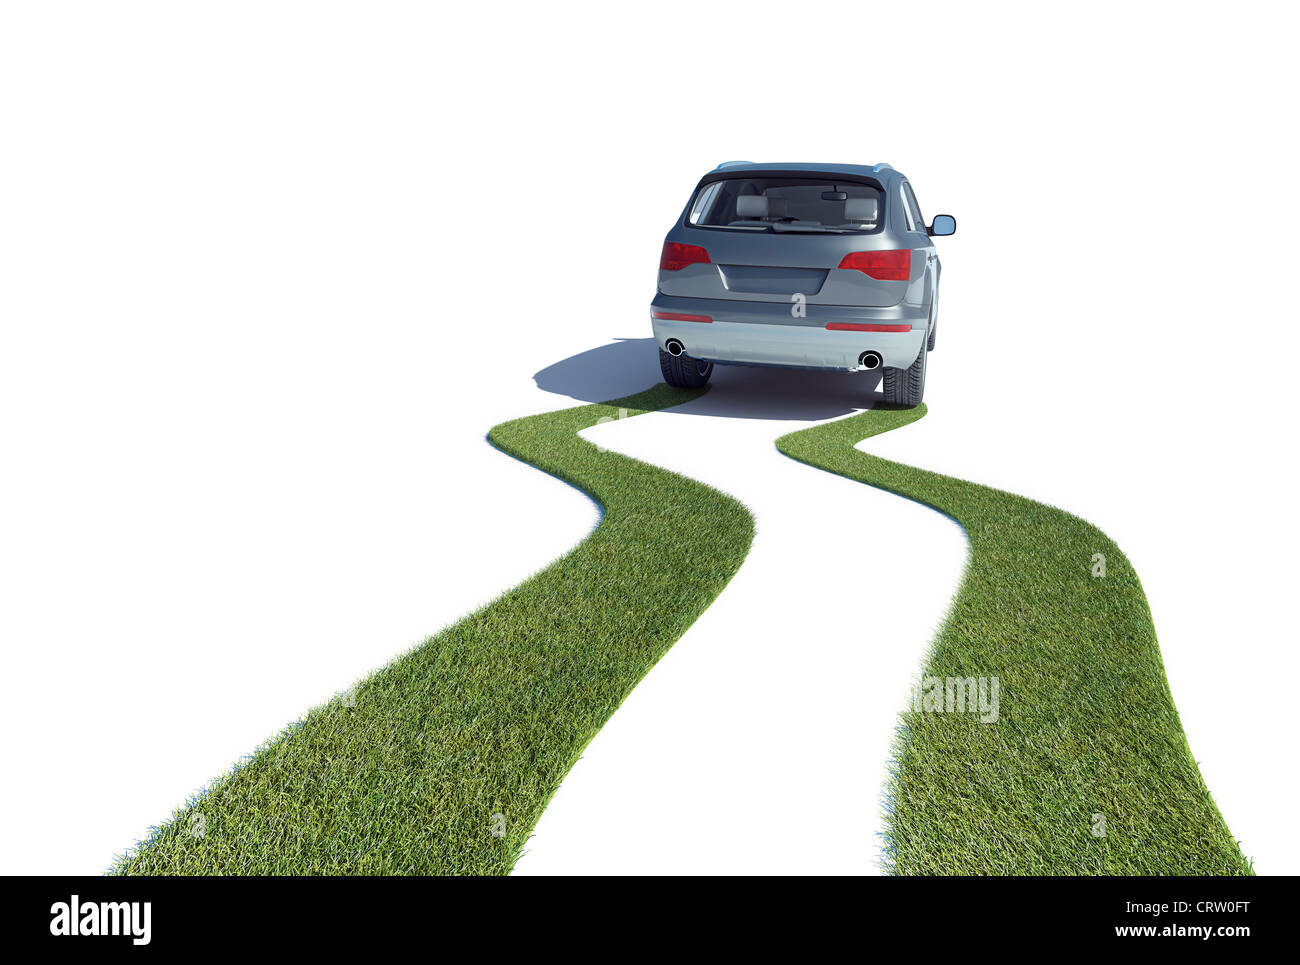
751,206
861,209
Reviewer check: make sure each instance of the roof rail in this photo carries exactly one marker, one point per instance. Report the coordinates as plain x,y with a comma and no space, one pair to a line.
882,167
729,164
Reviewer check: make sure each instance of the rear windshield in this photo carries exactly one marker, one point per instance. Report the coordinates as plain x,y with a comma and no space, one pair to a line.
812,205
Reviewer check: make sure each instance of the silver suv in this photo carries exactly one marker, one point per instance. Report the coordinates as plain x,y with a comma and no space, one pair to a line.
808,266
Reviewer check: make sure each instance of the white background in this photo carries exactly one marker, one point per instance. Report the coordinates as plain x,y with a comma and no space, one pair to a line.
268,272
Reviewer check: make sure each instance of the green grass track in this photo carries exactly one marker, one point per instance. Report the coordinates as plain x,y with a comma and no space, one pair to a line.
1086,724
442,762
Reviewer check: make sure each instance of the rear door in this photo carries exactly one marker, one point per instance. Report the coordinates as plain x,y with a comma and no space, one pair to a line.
922,244
770,237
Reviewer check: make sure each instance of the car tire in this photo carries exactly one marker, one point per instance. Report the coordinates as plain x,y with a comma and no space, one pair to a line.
929,343
684,371
906,386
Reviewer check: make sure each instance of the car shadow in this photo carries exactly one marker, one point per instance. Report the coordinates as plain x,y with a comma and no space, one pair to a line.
629,365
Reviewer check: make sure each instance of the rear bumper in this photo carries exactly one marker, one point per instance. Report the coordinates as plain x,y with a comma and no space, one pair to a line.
765,333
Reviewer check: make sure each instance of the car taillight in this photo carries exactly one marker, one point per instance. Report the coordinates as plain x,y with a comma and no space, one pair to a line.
894,265
675,256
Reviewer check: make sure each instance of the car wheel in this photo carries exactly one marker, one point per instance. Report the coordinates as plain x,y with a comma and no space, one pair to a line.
906,386
684,371
929,344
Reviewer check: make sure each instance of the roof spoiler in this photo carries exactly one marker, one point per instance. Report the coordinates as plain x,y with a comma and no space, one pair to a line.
876,169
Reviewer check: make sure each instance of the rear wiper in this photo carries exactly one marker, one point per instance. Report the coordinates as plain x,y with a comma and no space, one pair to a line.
809,229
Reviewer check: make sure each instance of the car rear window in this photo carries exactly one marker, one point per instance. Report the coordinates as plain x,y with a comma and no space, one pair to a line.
788,204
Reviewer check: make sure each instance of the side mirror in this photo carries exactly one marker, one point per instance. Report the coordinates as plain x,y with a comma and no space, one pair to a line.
944,224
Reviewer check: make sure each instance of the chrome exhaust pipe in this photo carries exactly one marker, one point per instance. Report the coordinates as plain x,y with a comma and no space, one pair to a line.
674,347
869,360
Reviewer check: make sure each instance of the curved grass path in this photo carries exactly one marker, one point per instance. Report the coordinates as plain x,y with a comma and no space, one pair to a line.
1086,724
442,762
